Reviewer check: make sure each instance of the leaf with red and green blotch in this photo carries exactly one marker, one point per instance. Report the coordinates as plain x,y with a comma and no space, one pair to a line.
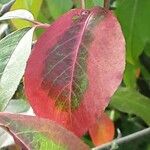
102,131
34,133
75,67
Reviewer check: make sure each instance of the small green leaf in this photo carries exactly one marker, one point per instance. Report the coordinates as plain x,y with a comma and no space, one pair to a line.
130,101
59,7
14,52
34,133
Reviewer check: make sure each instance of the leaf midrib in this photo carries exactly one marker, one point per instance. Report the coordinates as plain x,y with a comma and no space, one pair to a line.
76,54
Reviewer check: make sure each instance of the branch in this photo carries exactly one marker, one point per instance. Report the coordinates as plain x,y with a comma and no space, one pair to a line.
40,24
82,4
106,4
124,139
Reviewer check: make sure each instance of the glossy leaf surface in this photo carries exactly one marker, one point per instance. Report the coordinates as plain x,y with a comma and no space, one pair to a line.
14,52
102,131
75,68
34,133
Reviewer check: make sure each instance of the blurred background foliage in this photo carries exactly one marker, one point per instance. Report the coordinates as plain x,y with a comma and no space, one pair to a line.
130,106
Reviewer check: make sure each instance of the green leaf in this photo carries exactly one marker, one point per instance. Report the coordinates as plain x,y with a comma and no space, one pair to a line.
35,7
59,7
5,5
21,4
98,3
134,18
130,101
130,76
89,3
30,5
14,52
34,133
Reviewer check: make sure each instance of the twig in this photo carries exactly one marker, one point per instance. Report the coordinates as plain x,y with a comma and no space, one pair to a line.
106,4
39,24
124,139
82,4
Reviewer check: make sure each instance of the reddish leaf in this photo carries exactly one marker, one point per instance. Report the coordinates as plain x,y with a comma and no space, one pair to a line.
34,133
75,68
102,131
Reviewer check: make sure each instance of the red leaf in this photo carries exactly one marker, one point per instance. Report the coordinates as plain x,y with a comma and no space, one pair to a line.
34,133
102,131
75,68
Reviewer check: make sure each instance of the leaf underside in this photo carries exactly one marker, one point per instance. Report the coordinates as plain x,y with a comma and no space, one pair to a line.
75,68
18,14
11,66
